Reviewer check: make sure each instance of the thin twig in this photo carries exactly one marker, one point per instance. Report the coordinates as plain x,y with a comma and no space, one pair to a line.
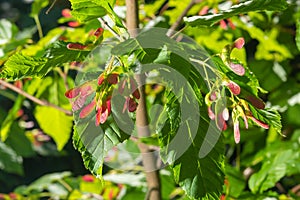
181,16
50,8
39,26
106,26
34,99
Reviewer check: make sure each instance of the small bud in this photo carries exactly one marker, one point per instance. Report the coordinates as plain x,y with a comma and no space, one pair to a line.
233,87
236,131
76,46
237,68
239,43
98,32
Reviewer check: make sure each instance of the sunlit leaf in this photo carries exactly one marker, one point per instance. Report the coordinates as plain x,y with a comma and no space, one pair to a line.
248,6
21,66
85,10
59,125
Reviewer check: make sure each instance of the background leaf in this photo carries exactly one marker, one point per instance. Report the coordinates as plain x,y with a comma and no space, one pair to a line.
59,125
248,6
9,160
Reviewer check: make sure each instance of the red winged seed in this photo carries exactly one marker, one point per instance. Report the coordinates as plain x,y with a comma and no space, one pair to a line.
66,13
236,131
98,116
98,32
88,178
73,24
86,90
204,10
76,46
104,116
101,79
223,24
72,93
78,103
211,114
258,103
87,110
259,123
231,24
136,94
113,78
237,68
132,105
234,88
225,114
245,121
221,124
213,96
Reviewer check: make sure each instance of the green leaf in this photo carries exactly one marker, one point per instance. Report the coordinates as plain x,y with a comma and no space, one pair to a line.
269,116
21,66
248,6
236,181
20,143
53,122
58,54
271,172
298,33
85,10
199,169
10,118
201,178
37,6
93,142
9,160
46,181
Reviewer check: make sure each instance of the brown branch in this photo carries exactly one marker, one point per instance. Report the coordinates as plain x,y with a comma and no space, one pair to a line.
34,99
149,161
132,17
181,16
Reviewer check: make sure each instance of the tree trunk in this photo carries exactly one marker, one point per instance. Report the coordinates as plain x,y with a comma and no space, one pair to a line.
149,161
